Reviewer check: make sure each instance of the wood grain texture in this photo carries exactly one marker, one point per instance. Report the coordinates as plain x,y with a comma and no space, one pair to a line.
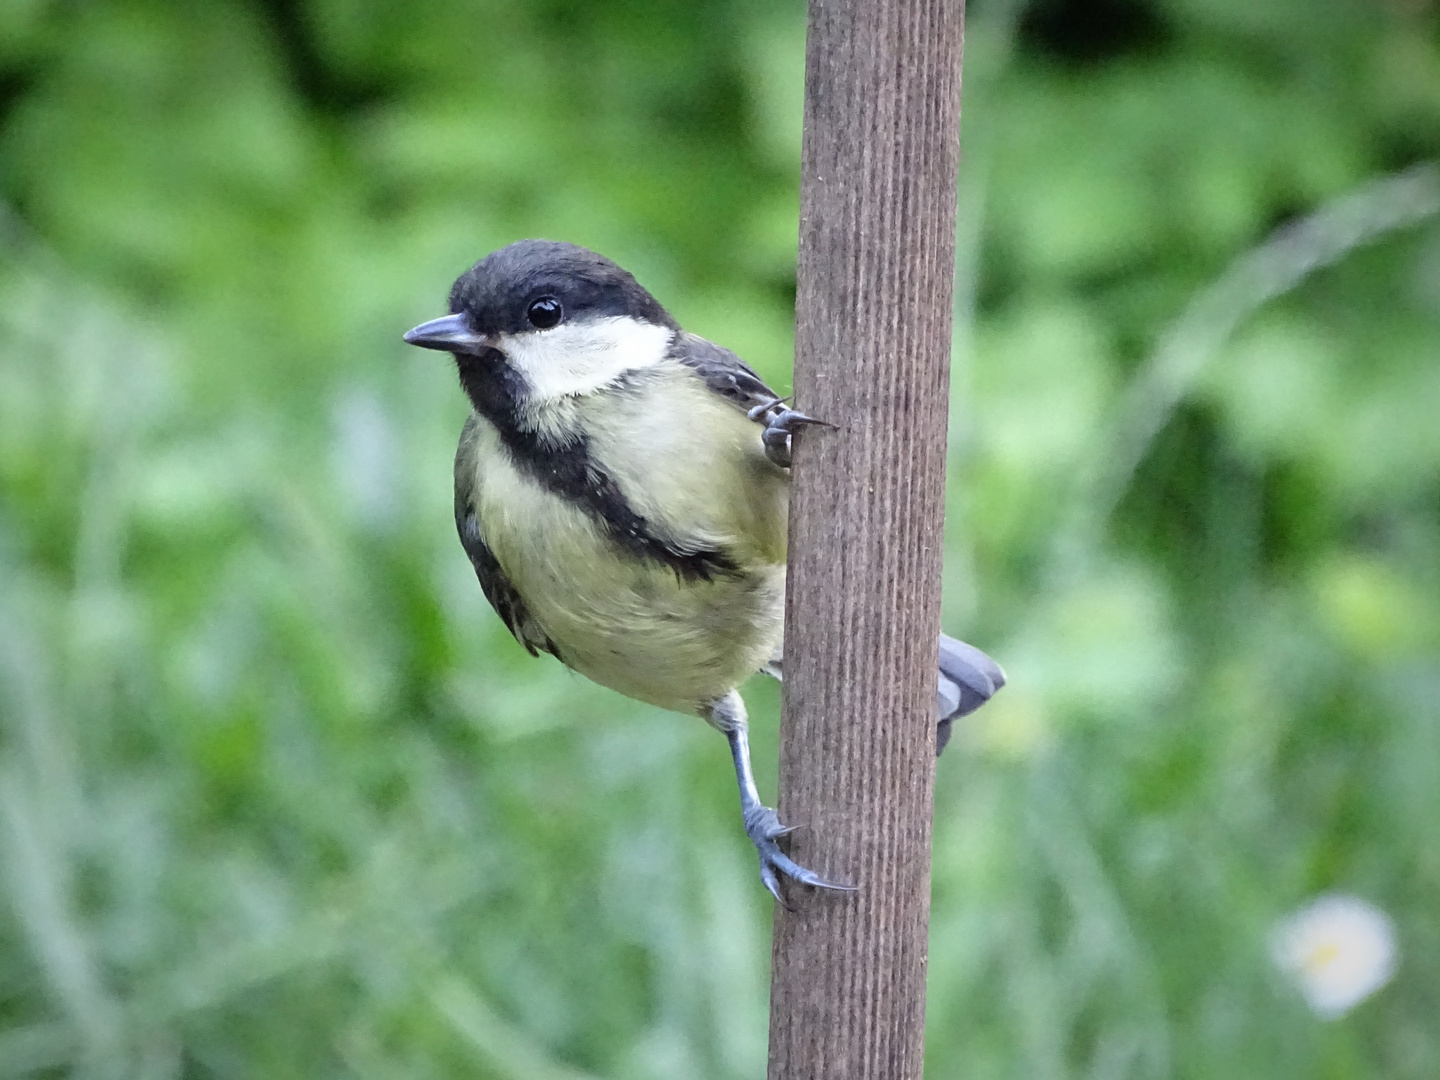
877,239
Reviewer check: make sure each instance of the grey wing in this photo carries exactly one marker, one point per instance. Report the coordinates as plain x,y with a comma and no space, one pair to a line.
498,589
503,597
724,372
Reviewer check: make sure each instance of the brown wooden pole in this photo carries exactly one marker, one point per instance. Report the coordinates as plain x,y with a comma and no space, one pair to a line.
876,274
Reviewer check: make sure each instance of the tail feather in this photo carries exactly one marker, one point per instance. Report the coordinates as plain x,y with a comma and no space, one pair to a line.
968,678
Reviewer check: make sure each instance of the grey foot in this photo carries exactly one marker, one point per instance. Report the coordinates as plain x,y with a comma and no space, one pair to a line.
762,824
780,421
763,827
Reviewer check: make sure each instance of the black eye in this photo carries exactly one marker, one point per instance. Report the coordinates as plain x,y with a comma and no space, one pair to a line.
544,313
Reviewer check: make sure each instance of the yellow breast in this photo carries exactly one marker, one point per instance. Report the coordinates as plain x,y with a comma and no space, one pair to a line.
692,466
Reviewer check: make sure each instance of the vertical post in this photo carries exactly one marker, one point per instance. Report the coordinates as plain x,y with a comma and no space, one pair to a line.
876,275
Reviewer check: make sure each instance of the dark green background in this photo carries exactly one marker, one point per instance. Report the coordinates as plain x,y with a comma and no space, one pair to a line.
279,797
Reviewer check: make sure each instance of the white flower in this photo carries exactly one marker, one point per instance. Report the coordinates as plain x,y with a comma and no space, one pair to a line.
1338,950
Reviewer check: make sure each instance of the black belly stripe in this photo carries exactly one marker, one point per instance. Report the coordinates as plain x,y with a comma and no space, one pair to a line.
567,469
570,472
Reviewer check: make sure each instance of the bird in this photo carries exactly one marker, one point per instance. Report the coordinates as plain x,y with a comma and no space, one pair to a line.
621,490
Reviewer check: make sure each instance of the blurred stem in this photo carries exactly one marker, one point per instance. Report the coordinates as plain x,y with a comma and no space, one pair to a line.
503,1049
1105,934
39,885
1277,266
990,47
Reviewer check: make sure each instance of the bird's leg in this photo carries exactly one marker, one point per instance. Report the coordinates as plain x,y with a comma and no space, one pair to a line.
779,422
762,824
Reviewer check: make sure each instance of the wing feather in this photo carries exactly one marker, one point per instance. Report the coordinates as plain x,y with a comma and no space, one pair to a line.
724,372
498,588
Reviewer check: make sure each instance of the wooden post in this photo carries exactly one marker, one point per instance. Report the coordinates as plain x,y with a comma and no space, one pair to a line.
876,274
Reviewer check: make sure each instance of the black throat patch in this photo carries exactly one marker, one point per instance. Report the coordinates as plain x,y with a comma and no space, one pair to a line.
567,469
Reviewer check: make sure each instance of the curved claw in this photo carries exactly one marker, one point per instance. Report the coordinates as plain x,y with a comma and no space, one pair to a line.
764,829
762,824
759,412
778,427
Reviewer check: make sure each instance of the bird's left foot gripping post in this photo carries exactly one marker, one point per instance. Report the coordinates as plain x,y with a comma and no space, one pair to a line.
781,422
762,824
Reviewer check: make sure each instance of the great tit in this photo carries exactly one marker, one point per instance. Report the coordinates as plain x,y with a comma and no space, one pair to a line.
621,488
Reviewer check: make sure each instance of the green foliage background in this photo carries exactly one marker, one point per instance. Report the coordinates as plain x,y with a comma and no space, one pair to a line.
279,797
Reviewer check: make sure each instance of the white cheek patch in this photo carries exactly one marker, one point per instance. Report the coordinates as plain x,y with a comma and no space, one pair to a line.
581,357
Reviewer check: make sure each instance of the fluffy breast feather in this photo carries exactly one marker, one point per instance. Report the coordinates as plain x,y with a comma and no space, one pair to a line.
692,466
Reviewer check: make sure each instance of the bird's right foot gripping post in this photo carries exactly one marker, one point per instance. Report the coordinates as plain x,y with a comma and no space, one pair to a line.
762,824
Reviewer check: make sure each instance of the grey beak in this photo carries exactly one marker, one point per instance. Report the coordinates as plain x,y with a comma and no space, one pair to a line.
451,333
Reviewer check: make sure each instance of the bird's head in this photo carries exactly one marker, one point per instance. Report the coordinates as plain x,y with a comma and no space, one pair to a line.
554,319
